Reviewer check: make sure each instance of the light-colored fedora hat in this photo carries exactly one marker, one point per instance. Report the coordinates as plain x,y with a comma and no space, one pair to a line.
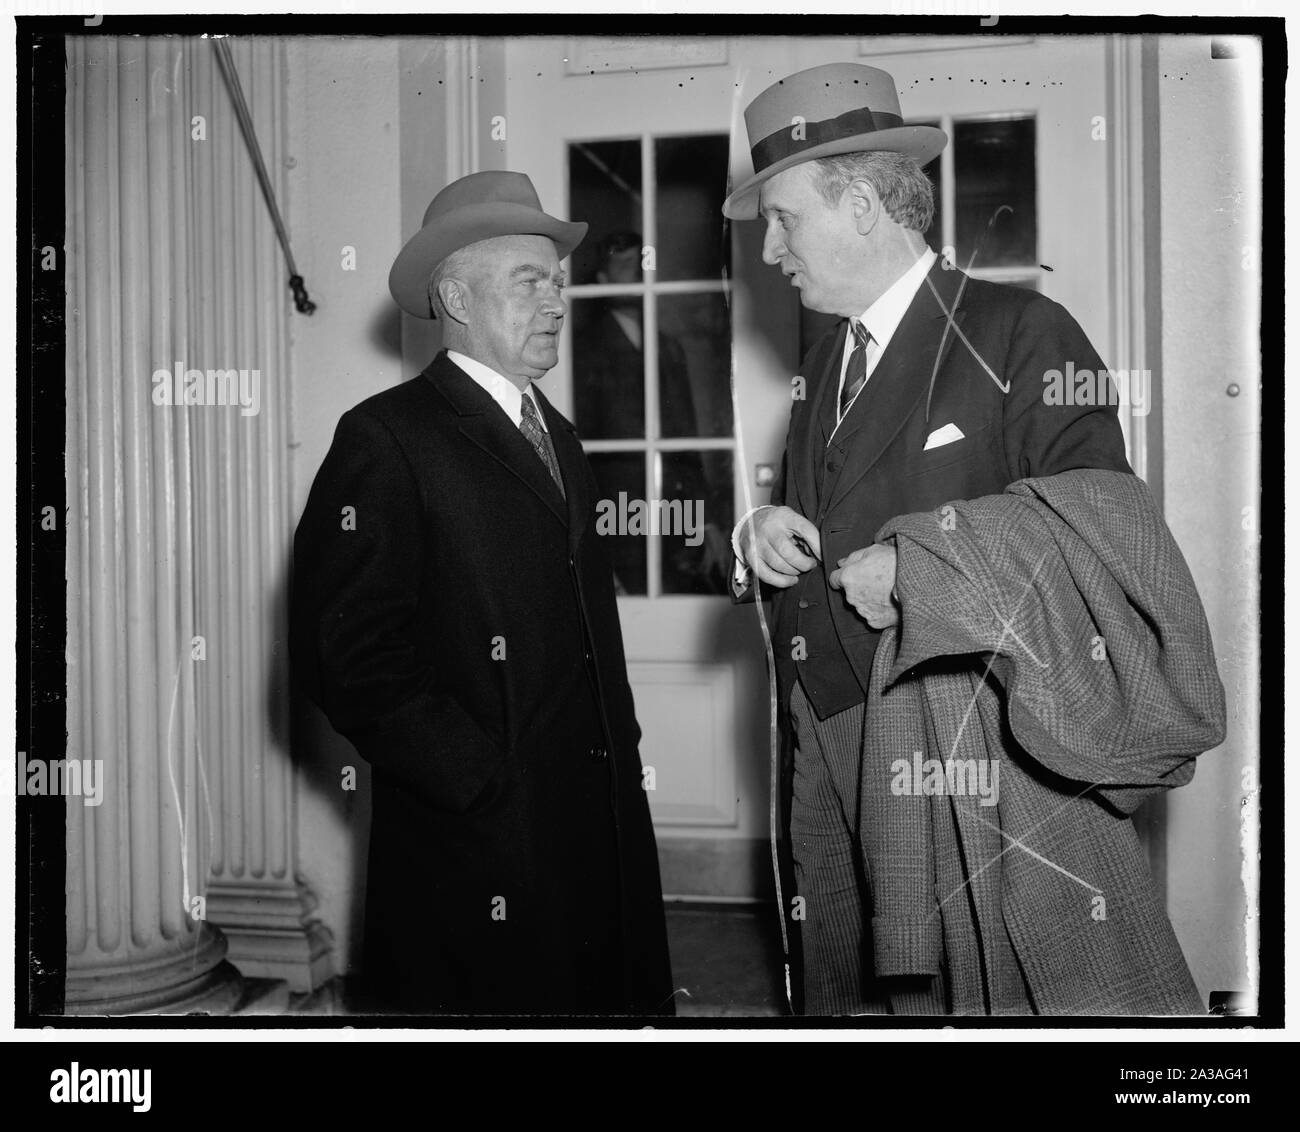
821,112
477,207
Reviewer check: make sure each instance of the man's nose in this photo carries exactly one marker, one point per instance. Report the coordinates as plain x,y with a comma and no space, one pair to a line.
773,245
554,306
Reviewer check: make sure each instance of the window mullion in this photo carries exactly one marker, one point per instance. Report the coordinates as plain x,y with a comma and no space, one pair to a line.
650,350
948,193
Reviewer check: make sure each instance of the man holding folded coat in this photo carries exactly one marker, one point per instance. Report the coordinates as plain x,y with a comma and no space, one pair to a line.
948,556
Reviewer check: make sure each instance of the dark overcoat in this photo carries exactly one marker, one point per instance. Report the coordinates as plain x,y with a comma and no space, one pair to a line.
454,616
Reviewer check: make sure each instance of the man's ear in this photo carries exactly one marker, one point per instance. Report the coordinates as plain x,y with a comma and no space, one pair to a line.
865,206
454,294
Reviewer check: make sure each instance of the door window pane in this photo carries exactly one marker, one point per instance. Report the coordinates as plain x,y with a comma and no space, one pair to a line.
690,184
993,164
695,526
694,365
681,520
605,191
608,367
620,480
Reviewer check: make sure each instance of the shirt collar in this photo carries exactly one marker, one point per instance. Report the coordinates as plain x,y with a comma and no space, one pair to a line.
884,315
501,389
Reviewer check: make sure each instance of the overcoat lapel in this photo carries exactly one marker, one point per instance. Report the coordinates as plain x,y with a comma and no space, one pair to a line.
900,383
484,423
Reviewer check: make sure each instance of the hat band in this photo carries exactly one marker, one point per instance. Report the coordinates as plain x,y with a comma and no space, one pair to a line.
801,135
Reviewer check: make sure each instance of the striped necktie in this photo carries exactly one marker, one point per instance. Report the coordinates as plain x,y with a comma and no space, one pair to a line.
531,426
855,376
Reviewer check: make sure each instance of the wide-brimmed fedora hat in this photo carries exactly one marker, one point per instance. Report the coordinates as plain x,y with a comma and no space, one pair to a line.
821,112
477,207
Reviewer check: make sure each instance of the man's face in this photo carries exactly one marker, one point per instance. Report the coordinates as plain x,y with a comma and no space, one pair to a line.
622,267
812,242
515,305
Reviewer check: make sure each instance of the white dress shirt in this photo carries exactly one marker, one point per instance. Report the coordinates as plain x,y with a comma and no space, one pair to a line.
630,325
501,389
881,320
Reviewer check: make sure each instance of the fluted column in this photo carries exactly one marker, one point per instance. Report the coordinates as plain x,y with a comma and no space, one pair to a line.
137,938
177,539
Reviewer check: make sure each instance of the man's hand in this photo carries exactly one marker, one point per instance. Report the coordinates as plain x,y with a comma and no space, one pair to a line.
867,578
779,544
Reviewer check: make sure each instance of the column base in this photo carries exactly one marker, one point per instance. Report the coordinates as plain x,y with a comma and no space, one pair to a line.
270,934
192,978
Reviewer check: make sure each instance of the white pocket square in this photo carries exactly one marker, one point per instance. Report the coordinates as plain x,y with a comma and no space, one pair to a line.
941,436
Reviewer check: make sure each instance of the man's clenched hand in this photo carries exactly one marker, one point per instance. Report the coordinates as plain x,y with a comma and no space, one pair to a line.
867,578
770,540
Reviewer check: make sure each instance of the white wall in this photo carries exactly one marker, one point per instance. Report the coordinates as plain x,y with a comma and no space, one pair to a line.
344,190
1209,146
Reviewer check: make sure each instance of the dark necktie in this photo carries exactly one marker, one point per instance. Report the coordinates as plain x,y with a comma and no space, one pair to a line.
856,374
531,426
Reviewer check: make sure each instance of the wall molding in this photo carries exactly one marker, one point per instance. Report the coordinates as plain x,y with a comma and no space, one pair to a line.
716,868
608,55
651,682
1126,199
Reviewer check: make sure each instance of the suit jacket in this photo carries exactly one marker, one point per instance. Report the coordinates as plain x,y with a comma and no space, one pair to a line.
982,368
455,618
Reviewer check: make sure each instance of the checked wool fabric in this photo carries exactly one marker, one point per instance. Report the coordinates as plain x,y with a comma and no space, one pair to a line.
1095,687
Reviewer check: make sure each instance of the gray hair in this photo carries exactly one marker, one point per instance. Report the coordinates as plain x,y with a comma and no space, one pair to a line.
456,264
904,190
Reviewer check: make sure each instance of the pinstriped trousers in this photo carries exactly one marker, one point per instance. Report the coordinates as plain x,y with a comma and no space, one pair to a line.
827,865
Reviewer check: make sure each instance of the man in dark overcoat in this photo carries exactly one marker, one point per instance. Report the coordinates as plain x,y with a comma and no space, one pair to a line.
454,616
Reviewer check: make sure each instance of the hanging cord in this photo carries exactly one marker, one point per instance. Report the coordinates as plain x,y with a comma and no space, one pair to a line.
227,64
773,718
774,757
774,739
